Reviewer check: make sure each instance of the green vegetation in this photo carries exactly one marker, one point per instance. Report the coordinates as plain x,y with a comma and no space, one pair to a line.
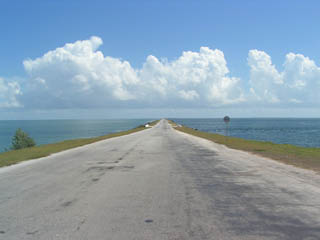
308,158
153,123
16,156
21,140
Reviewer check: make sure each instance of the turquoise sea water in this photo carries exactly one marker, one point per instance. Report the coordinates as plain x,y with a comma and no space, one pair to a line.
50,131
300,132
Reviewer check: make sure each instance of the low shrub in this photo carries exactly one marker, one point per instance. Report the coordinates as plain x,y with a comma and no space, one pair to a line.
21,140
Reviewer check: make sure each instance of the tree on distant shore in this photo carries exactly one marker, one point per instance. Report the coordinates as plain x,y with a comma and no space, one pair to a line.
21,140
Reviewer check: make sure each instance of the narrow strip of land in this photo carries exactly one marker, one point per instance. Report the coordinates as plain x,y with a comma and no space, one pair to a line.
16,156
303,157
158,184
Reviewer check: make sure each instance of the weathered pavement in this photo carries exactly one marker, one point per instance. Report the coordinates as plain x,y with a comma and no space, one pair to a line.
158,184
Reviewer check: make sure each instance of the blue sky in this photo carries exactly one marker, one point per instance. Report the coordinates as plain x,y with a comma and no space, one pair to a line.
244,65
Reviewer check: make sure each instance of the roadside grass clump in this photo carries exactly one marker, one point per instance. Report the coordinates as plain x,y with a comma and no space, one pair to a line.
304,157
16,156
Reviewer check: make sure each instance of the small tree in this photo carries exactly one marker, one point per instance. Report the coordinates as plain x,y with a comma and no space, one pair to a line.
21,140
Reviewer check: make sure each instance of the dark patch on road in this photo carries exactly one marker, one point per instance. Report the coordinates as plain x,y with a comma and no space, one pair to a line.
99,168
202,152
80,224
125,168
68,203
248,206
2,232
103,169
130,167
95,179
251,173
127,153
101,162
32,233
148,221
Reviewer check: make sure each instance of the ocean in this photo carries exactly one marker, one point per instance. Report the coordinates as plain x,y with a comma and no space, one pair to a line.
50,131
300,132
295,131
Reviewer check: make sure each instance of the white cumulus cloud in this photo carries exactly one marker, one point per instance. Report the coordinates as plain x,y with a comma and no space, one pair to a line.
188,95
298,83
200,76
264,77
302,78
78,75
9,90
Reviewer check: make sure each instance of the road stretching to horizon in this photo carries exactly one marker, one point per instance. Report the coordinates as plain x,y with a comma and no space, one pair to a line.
158,184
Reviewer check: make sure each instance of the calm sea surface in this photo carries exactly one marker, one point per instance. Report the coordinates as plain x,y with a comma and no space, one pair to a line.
50,131
301,132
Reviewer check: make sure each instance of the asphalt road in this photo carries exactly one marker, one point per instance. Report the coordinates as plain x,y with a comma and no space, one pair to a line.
158,184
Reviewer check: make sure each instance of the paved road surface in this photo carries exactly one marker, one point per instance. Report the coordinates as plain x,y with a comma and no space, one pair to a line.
158,184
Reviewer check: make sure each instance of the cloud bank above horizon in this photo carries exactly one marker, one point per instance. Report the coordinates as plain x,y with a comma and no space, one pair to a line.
78,75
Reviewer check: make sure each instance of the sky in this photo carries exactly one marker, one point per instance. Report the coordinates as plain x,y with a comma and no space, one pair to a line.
170,58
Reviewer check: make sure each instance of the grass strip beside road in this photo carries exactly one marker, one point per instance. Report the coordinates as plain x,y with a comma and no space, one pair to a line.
303,157
16,156
153,123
